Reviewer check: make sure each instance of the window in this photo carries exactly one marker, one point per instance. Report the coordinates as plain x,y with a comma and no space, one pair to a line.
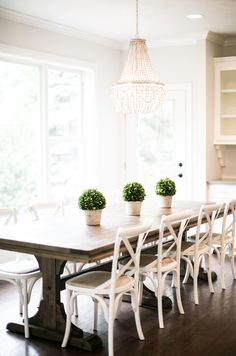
41,149
64,132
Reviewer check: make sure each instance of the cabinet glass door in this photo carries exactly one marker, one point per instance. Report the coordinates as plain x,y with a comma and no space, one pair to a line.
228,102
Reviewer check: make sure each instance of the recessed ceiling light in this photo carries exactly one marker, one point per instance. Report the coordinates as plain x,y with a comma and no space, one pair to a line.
194,16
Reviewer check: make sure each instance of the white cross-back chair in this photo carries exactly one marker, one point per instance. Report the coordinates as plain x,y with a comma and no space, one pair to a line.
55,208
49,209
198,246
99,284
22,273
7,214
156,268
223,242
42,210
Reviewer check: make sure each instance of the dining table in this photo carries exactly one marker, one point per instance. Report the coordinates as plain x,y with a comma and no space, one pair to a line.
55,241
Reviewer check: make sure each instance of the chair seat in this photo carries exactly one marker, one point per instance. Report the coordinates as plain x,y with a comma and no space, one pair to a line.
145,260
150,261
92,280
168,264
19,267
188,247
216,239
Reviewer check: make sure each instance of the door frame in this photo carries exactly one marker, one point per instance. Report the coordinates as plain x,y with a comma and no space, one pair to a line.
130,127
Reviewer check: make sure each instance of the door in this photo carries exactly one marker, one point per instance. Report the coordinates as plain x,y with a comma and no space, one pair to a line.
159,145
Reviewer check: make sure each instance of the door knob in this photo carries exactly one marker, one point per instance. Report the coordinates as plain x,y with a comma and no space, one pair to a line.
180,164
180,175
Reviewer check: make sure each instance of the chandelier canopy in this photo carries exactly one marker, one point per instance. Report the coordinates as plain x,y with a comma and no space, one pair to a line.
137,91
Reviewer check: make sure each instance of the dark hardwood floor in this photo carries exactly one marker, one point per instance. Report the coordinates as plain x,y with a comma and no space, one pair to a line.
207,329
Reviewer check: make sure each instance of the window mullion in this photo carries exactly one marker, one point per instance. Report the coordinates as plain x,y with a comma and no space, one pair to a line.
44,134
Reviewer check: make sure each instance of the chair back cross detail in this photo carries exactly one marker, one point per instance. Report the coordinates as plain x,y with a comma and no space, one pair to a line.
8,214
209,213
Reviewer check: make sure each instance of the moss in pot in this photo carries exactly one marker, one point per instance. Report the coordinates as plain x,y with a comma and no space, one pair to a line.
165,189
133,195
92,202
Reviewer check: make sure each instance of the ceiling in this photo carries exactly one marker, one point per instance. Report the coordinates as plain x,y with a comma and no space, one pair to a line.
159,20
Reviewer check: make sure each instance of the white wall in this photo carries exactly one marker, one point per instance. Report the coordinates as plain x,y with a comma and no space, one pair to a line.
229,170
105,161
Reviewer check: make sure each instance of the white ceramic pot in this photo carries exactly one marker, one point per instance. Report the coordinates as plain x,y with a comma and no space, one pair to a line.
133,207
165,202
93,217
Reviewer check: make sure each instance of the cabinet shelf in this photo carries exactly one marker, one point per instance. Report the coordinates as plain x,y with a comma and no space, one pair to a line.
228,91
225,100
231,116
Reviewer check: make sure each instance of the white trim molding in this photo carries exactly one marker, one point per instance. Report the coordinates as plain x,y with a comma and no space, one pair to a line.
230,41
190,40
55,27
43,57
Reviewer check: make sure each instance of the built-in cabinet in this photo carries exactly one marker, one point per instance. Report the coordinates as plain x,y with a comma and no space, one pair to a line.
225,100
221,190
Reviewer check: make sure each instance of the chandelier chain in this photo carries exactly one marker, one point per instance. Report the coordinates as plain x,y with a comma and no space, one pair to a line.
137,91
137,29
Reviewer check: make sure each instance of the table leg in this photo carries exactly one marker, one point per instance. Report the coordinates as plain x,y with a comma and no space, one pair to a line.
49,321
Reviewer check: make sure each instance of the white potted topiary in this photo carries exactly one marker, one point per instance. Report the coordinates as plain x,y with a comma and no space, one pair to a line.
133,195
165,189
92,202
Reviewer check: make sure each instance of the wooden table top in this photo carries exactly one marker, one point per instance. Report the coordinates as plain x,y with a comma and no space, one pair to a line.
69,238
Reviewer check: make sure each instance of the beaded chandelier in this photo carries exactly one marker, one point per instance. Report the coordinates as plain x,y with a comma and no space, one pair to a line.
137,91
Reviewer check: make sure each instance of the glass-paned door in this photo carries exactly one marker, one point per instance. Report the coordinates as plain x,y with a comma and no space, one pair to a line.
159,145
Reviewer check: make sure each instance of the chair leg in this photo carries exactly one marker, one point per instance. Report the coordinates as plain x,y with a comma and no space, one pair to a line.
222,268
186,276
173,281
203,263
20,307
76,308
25,308
135,306
110,338
140,292
118,307
209,274
41,294
111,318
95,314
232,260
68,318
178,294
159,303
195,281
18,284
75,300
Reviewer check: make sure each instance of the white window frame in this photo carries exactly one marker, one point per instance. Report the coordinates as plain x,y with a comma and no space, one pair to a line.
47,61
